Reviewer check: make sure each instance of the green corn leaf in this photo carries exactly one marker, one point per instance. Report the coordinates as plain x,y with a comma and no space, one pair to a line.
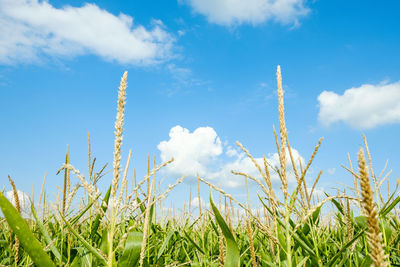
76,262
97,220
46,235
315,215
294,235
3,243
232,258
142,208
194,222
213,225
165,243
386,229
51,226
339,253
104,241
361,221
389,208
21,229
80,214
269,264
385,205
84,257
192,241
302,262
151,216
93,250
343,261
367,262
281,237
131,254
337,204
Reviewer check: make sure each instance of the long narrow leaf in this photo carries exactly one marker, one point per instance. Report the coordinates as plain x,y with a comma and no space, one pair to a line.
97,220
46,235
337,204
131,254
192,241
93,250
165,243
294,235
339,253
390,207
19,226
83,211
232,258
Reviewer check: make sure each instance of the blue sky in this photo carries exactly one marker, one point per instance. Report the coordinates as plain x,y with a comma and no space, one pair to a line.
201,75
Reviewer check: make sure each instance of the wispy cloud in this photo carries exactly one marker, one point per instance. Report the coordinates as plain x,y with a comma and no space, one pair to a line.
235,12
183,79
363,107
32,29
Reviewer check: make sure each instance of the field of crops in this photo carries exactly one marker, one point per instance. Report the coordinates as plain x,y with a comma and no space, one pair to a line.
130,226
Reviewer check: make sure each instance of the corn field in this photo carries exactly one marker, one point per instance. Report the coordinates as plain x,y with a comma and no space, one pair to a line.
131,226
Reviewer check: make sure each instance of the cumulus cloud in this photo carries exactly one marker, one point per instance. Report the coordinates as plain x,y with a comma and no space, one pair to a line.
30,29
192,152
363,107
202,152
234,12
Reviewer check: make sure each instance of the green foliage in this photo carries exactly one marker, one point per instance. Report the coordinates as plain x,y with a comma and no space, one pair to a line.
81,238
21,229
232,258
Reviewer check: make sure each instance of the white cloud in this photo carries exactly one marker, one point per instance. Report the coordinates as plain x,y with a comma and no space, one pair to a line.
192,152
231,152
234,12
202,152
23,198
317,193
331,171
195,202
30,29
363,107
243,164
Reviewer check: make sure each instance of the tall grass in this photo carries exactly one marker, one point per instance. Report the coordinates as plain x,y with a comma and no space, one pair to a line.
130,227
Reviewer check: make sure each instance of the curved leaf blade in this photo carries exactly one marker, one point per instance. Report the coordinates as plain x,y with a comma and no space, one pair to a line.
93,250
97,220
232,258
46,235
31,245
131,254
